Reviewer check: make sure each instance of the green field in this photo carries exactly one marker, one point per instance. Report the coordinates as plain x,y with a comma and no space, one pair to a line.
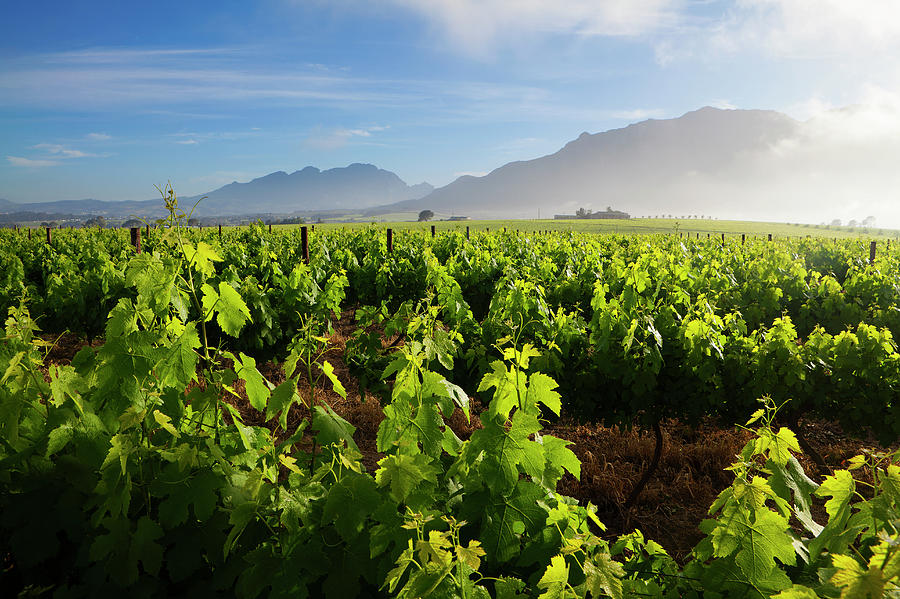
632,226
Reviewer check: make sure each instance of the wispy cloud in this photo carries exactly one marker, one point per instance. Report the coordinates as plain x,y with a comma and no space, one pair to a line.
638,114
475,26
100,79
187,142
30,162
61,151
337,138
98,137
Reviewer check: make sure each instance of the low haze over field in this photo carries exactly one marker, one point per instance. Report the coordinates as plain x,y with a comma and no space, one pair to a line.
103,100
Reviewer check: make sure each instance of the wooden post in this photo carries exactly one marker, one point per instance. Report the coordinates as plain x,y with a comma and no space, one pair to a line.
390,241
467,232
270,227
707,235
147,235
723,237
743,238
49,240
29,232
770,237
304,245
136,238
220,231
432,231
872,253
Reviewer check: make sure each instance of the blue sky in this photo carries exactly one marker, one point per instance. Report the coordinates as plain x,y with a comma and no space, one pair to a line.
106,99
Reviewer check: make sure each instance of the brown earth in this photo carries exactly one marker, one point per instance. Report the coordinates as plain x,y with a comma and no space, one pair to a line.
690,475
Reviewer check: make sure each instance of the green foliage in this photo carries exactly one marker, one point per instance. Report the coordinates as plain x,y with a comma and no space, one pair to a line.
141,468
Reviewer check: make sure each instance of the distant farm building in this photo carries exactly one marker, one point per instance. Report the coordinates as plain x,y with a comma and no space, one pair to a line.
608,214
459,218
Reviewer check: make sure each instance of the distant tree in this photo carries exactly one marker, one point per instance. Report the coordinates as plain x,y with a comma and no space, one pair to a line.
836,222
851,224
868,221
583,213
95,221
193,222
425,215
609,209
132,222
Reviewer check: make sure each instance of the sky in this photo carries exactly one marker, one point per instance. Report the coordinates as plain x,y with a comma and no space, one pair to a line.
105,100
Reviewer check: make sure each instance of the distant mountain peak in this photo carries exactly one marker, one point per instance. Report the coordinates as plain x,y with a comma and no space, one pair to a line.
640,168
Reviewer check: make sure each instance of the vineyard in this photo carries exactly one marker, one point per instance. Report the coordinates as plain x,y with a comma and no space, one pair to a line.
190,447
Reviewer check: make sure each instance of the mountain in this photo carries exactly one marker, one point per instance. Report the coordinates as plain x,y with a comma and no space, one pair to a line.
352,187
641,169
86,207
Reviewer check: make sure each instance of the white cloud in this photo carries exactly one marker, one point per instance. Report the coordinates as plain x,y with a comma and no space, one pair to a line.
337,138
29,162
187,142
722,103
475,25
60,151
638,114
812,28
98,137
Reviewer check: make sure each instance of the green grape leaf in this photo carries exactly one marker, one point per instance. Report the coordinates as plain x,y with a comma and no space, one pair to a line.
470,555
233,312
509,588
202,257
509,517
790,482
429,426
403,473
840,487
59,438
65,383
165,422
756,542
144,548
505,394
283,396
555,578
349,503
558,456
336,384
507,452
179,364
604,576
332,428
541,390
855,581
797,592
256,385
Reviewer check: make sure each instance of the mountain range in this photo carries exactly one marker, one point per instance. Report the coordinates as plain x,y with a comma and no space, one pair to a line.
747,164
